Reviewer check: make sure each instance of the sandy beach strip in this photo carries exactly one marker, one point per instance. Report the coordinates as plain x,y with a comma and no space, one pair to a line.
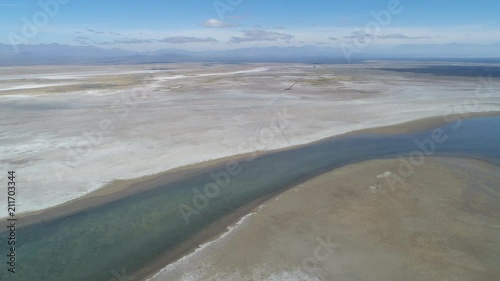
441,224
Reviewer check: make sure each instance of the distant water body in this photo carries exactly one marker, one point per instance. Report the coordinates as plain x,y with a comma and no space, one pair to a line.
128,235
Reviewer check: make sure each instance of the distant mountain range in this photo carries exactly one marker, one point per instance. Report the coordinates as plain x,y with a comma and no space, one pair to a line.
69,54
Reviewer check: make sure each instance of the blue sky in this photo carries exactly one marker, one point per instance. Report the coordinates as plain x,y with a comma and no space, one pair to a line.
224,24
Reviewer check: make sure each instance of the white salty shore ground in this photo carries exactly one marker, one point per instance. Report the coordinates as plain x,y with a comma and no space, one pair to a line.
86,126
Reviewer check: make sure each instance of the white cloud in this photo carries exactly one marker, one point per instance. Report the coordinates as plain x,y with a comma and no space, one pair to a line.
128,41
187,39
215,23
261,35
149,39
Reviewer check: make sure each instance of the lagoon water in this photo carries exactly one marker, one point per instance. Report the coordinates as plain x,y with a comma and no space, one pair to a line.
131,233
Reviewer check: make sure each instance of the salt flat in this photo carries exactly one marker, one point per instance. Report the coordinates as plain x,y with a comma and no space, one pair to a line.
84,126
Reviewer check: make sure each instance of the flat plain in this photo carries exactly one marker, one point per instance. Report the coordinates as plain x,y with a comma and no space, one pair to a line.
70,130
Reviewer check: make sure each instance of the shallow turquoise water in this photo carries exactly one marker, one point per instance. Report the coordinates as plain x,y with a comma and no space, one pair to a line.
130,233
